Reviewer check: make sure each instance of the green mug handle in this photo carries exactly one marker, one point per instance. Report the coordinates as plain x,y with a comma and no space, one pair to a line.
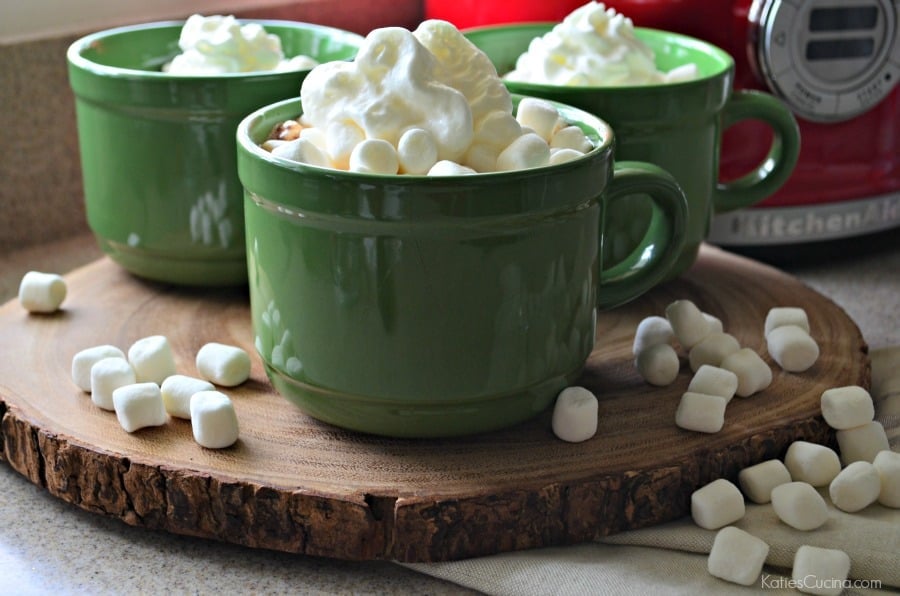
776,167
659,249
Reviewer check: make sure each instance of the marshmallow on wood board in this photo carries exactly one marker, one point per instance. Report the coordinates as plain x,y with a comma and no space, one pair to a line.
42,292
152,359
222,364
780,316
575,415
812,463
658,364
757,481
752,372
214,422
688,323
712,349
700,412
862,443
177,391
139,405
650,331
792,348
737,556
713,380
107,375
87,358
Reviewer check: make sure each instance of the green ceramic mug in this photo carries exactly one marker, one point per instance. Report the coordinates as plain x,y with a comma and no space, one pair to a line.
158,151
436,306
677,126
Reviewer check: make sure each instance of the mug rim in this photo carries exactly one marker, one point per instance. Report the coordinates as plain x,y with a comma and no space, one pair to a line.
75,51
545,26
605,133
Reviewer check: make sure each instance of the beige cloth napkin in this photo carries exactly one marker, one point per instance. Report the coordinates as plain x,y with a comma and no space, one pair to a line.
671,558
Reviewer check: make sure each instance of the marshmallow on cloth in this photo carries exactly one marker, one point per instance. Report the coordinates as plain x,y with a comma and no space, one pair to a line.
139,405
820,571
213,420
107,375
222,364
575,415
888,465
87,358
177,391
752,372
717,504
812,463
152,359
757,481
799,505
42,292
737,556
847,407
862,443
856,487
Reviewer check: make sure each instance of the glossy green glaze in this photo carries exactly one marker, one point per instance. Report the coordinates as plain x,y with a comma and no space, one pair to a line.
676,126
437,306
158,151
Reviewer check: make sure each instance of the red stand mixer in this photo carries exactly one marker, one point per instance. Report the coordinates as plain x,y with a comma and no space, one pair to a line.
835,63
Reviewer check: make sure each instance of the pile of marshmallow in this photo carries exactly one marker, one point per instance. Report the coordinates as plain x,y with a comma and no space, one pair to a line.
144,389
721,367
870,473
426,102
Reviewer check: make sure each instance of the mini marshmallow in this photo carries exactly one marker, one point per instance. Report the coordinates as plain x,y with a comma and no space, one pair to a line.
213,420
177,391
416,151
688,323
715,323
717,504
374,156
222,364
712,350
139,405
527,151
888,465
792,348
650,331
575,415
107,375
847,407
658,364
757,481
856,487
700,412
812,463
88,357
713,380
339,140
785,315
42,292
302,150
737,556
885,371
799,505
820,571
571,137
862,443
152,359
539,115
752,372
446,167
558,156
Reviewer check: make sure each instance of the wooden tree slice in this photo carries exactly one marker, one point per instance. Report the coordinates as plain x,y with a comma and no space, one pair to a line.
297,485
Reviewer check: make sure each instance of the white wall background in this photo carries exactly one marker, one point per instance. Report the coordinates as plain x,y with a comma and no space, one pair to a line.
26,20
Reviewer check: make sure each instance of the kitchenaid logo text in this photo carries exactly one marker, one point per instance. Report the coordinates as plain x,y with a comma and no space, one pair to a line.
819,222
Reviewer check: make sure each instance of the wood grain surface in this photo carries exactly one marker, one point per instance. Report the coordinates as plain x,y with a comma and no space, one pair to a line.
293,484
